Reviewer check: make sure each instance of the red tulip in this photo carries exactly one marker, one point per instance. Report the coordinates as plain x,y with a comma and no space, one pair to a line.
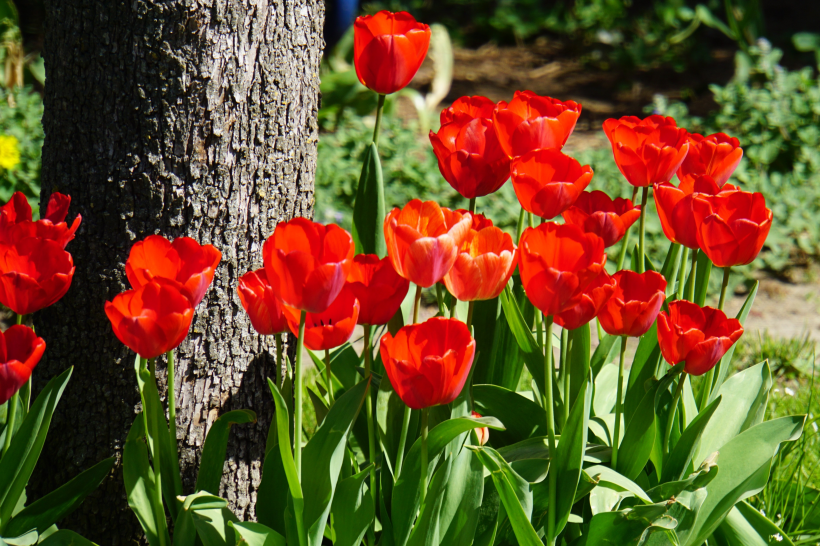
590,304
557,263
34,273
388,49
596,212
16,220
259,301
377,286
483,433
185,261
20,351
531,122
484,265
732,226
699,336
716,155
479,220
634,304
423,240
306,263
647,150
152,319
548,182
469,155
675,207
428,363
330,328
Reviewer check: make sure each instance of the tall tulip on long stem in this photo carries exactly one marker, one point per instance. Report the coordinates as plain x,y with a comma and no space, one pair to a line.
547,401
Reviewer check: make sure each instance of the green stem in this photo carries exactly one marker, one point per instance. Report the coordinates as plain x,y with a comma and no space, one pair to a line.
453,303
423,455
416,303
10,421
622,253
600,330
618,405
670,419
328,379
405,425
726,272
298,388
682,272
566,340
440,298
642,248
548,406
155,455
520,229
472,205
377,128
172,407
690,286
371,431
470,314
279,381
531,219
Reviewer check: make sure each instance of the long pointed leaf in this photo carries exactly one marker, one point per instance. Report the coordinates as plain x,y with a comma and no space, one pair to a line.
368,211
140,485
216,445
569,455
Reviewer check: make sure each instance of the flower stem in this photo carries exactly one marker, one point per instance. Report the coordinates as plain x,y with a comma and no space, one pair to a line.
329,379
299,388
371,431
726,272
520,227
155,453
470,314
423,455
619,405
622,254
172,406
642,249
690,287
682,272
10,420
405,424
472,205
279,374
547,395
377,128
670,419
440,298
565,344
416,303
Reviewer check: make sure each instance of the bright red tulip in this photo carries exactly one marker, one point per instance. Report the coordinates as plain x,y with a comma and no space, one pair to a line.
34,273
715,155
388,49
20,351
259,301
185,261
634,304
699,336
647,150
16,220
423,240
152,319
675,207
428,363
330,328
479,220
531,122
484,265
590,304
377,286
732,226
548,182
306,263
483,434
469,155
597,213
557,263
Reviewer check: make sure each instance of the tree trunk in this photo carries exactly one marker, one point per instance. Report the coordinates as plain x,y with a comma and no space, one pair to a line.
175,117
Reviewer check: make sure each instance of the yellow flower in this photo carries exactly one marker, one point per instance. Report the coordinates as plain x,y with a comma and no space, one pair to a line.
9,152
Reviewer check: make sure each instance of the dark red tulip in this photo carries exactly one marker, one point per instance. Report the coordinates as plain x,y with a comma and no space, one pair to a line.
548,182
485,263
634,304
377,286
259,301
647,150
557,264
428,363
152,319
16,220
531,122
307,262
715,155
423,240
388,49
597,213
590,304
699,336
34,274
732,226
469,155
185,261
20,351
330,328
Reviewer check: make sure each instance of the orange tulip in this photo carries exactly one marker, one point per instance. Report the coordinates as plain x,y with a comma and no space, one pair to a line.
634,304
388,49
264,309
16,220
647,150
428,363
531,122
715,155
589,305
20,351
479,220
484,265
596,212
423,240
306,263
548,182
330,328
557,263
732,226
34,274
377,286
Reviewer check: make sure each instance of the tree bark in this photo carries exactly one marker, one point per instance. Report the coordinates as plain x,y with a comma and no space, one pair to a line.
175,117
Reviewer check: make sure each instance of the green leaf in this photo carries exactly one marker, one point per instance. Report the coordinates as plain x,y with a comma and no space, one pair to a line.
579,362
140,485
50,509
498,360
256,534
352,509
389,417
676,467
671,265
639,437
603,475
426,530
533,354
744,471
745,526
704,272
19,461
725,362
64,537
216,445
644,366
27,539
212,521
632,526
368,211
601,355
462,500
509,407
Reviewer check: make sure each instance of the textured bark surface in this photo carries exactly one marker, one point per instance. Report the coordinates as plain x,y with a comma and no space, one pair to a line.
197,118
